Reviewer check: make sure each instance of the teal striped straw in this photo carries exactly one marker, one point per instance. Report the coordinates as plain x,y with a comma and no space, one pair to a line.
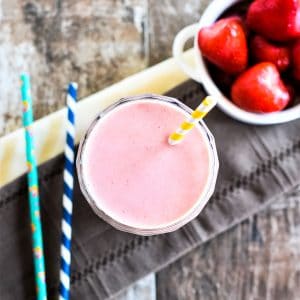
34,205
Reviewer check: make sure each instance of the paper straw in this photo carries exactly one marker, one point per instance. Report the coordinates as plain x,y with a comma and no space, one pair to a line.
66,225
199,113
34,205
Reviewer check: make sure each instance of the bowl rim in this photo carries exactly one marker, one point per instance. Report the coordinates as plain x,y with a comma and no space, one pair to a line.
209,16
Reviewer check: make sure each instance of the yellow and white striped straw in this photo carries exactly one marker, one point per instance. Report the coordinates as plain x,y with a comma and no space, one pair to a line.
199,113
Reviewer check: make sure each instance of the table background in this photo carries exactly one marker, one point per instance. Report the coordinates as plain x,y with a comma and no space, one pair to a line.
93,42
98,42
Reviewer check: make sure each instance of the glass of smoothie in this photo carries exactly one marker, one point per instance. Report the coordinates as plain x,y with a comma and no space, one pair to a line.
133,178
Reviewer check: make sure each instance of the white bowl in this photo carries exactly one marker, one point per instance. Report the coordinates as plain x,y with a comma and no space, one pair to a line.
200,72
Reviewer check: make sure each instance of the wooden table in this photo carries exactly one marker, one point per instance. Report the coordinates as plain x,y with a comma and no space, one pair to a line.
258,259
93,42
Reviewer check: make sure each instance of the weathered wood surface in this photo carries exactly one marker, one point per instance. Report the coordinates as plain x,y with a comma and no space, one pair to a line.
144,289
256,260
166,18
93,42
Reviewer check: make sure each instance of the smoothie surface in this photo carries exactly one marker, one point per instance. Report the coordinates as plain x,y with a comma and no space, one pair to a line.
134,175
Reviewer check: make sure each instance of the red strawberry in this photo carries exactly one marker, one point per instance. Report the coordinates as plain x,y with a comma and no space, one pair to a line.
260,89
224,44
292,94
278,20
296,60
262,50
291,90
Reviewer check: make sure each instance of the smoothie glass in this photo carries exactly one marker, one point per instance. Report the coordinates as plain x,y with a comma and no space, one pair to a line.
208,187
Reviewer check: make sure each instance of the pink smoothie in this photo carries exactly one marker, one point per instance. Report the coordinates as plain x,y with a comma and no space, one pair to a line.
134,175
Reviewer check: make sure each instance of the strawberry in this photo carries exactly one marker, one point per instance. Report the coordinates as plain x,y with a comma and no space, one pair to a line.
262,50
296,60
260,89
277,20
224,44
292,94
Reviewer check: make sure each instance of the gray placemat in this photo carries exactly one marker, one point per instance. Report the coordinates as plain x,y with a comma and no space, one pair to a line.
257,164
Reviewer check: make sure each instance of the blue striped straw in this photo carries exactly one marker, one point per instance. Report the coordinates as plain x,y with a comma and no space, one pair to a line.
66,225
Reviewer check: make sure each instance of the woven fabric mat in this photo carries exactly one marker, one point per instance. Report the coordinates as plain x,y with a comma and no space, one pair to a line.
257,165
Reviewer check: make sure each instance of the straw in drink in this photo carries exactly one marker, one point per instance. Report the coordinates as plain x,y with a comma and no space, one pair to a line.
199,113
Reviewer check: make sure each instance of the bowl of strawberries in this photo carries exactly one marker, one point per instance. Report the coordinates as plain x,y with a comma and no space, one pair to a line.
247,54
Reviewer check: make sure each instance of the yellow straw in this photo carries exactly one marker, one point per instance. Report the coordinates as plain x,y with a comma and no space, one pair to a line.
199,113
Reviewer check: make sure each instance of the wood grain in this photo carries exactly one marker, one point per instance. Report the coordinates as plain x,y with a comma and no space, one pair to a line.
93,42
144,289
167,17
256,260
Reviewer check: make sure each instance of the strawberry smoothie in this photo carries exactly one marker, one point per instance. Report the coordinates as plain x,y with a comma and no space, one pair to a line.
131,173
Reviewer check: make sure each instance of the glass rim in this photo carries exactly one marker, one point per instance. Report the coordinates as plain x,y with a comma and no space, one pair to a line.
188,215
